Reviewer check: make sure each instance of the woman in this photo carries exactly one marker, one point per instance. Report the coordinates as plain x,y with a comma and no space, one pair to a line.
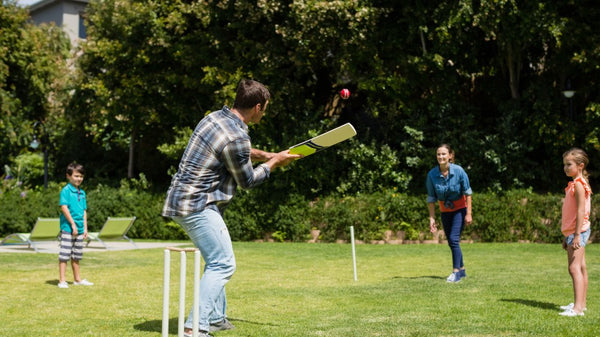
448,184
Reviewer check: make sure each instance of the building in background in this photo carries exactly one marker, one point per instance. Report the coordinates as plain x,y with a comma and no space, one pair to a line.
68,14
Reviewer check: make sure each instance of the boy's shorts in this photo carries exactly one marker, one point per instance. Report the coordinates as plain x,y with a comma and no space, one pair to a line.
71,247
583,238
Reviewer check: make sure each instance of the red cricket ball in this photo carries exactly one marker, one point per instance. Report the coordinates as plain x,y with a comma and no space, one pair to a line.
345,93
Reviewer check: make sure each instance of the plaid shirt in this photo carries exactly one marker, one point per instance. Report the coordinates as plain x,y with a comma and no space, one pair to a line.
215,162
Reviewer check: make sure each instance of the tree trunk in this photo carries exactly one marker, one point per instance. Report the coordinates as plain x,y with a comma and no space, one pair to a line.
513,61
130,164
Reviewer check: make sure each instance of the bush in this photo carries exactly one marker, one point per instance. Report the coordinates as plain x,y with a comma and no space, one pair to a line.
517,215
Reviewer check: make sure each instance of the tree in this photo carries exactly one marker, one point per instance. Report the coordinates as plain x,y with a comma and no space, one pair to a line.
33,72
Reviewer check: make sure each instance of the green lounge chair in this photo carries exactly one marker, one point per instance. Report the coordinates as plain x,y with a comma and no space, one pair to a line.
113,229
45,229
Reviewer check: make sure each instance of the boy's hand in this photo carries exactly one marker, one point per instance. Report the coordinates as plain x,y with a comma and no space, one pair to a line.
74,228
85,234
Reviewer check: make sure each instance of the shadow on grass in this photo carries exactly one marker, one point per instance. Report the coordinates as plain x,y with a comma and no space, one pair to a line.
418,277
156,325
52,282
532,303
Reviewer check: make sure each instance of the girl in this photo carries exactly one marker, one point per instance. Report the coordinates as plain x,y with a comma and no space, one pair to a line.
448,185
576,226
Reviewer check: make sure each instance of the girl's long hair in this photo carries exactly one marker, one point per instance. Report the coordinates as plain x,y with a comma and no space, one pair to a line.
580,157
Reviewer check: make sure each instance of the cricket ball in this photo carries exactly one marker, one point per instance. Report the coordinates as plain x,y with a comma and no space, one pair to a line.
345,93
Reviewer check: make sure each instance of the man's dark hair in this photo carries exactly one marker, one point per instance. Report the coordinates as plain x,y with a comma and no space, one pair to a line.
75,167
249,94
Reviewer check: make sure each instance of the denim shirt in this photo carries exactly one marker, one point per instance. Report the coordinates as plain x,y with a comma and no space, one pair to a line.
447,189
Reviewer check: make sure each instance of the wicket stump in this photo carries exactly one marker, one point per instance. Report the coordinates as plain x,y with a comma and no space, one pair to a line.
166,290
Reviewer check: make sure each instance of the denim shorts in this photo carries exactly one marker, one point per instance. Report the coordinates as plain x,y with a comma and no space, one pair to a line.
584,237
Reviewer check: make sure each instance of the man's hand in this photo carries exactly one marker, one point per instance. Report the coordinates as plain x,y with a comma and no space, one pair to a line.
282,158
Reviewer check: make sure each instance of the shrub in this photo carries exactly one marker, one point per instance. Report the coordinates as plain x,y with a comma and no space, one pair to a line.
517,215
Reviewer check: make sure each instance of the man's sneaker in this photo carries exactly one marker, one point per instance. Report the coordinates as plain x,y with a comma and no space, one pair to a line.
63,285
83,282
454,277
571,313
225,324
570,306
200,334
462,273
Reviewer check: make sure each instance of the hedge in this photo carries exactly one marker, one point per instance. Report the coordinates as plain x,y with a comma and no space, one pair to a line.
386,216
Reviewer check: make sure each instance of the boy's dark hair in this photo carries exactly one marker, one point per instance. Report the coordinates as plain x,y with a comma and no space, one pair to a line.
75,167
249,93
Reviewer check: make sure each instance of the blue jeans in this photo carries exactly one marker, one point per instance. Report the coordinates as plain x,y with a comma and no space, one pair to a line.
209,233
454,223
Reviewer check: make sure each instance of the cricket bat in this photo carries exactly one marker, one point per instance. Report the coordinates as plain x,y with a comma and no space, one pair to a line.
324,140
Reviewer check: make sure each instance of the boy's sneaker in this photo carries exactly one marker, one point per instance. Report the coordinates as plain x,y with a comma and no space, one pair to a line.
83,282
462,273
570,306
454,277
571,313
63,285
225,324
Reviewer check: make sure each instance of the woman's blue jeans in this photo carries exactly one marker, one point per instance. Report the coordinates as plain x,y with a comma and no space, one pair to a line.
209,233
454,223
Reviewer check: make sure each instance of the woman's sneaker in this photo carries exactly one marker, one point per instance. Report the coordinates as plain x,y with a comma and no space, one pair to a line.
454,277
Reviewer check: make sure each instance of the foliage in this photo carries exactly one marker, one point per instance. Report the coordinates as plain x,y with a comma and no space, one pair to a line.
511,216
484,76
33,72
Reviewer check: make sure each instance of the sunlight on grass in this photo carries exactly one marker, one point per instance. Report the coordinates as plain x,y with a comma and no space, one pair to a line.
298,289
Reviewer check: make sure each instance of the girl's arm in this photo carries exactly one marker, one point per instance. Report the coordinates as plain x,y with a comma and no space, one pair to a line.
65,210
580,201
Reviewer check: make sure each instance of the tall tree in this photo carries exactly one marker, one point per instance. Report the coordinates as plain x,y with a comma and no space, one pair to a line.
33,70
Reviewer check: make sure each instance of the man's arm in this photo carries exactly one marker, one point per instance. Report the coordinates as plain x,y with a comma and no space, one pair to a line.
241,169
281,159
260,155
273,159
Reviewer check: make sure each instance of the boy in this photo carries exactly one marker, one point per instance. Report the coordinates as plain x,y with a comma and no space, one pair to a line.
73,225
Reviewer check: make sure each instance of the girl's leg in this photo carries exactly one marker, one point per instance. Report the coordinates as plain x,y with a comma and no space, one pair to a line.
579,276
585,279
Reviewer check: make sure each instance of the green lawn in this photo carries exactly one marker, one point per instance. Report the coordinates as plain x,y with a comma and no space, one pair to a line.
299,289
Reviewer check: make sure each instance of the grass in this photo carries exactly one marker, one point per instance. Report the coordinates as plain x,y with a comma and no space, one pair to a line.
299,289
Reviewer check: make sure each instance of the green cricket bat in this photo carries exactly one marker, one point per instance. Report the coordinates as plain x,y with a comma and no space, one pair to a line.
324,140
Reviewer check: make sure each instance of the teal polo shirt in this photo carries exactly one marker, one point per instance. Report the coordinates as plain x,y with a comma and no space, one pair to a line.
74,198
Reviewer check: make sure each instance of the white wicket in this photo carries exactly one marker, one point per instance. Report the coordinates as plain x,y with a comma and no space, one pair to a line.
353,252
182,276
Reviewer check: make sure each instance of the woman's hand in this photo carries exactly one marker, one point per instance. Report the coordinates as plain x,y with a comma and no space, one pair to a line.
432,225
